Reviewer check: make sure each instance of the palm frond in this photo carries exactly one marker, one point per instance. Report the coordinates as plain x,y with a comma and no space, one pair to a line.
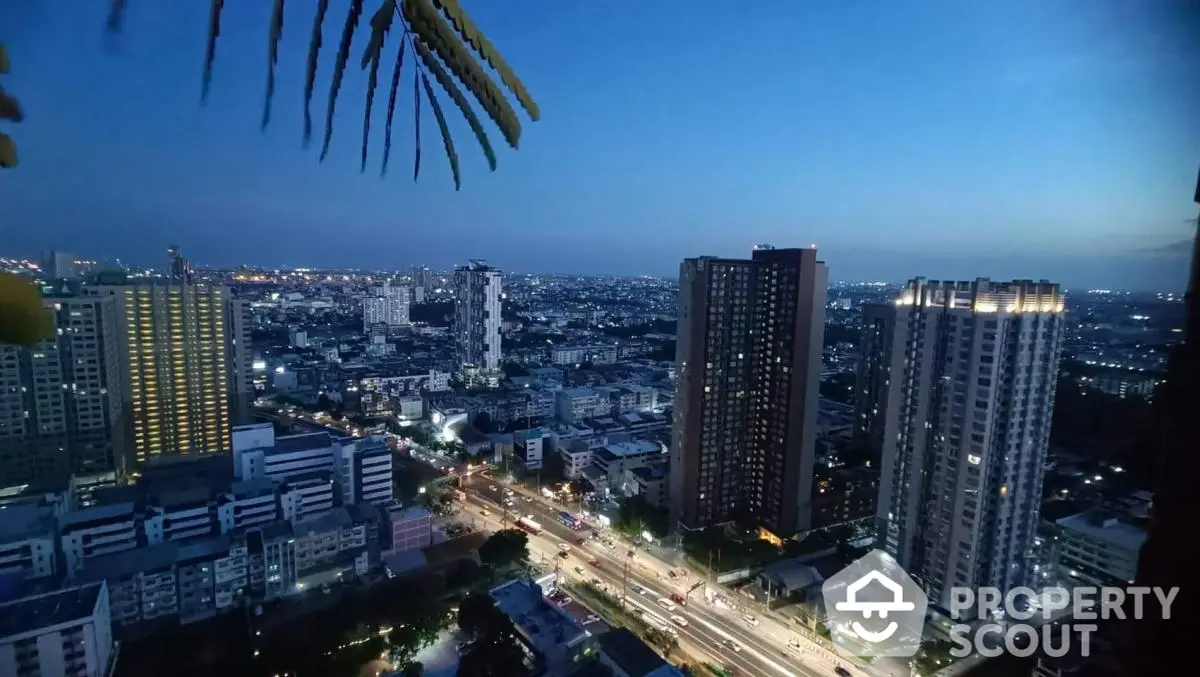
437,34
116,16
310,75
273,36
456,95
417,123
391,109
339,69
9,108
381,23
8,152
451,154
471,34
210,49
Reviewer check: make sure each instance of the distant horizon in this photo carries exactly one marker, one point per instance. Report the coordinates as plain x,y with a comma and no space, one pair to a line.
1067,287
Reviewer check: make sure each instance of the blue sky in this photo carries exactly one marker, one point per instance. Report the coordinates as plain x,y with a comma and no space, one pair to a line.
1016,139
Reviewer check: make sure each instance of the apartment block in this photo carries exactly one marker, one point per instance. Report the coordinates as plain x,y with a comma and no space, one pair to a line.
61,411
1099,548
65,633
748,358
178,364
477,294
962,398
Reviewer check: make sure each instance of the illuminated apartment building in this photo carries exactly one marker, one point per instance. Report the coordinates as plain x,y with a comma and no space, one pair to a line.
60,403
748,356
960,398
178,364
477,301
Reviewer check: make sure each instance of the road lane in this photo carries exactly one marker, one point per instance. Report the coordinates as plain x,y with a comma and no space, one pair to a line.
758,657
770,639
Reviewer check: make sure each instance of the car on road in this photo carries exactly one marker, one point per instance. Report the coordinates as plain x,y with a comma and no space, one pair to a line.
485,512
493,488
595,563
564,554
564,547
842,672
639,590
680,621
666,604
589,619
564,601
579,570
678,599
732,645
750,620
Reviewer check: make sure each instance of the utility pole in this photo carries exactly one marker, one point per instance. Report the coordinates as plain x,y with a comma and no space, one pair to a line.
625,581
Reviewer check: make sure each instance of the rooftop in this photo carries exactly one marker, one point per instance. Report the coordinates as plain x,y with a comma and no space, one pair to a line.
19,521
302,442
61,606
1104,526
97,513
544,626
630,654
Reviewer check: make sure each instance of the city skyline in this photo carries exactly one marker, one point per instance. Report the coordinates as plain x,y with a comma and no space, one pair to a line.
1028,150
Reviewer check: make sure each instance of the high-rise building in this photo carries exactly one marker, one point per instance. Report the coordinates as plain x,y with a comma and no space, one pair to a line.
881,353
964,402
59,265
748,357
240,320
386,306
178,364
61,411
477,321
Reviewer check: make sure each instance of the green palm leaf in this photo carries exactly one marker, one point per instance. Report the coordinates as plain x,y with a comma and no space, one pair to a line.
8,151
210,49
310,74
451,155
471,34
339,69
274,34
438,36
456,95
391,109
381,23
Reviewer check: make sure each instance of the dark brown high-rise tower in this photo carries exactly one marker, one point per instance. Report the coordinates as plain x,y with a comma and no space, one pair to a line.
749,364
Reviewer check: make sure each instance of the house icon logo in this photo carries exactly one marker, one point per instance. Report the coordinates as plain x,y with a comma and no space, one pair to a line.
874,608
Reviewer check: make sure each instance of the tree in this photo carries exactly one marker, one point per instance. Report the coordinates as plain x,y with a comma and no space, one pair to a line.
494,651
636,516
445,47
662,641
504,548
24,320
413,669
476,614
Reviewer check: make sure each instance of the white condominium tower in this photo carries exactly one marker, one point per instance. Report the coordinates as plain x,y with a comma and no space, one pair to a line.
477,320
386,306
963,379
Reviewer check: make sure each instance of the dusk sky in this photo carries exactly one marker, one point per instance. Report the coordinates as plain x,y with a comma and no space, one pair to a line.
1027,138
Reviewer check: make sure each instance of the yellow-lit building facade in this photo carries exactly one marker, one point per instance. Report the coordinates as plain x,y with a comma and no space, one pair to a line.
176,362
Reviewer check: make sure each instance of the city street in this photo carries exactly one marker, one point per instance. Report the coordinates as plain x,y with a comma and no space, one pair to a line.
719,636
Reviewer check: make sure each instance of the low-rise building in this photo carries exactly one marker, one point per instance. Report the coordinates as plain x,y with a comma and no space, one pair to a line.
649,481
552,641
616,459
626,655
530,448
1099,548
28,541
65,633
